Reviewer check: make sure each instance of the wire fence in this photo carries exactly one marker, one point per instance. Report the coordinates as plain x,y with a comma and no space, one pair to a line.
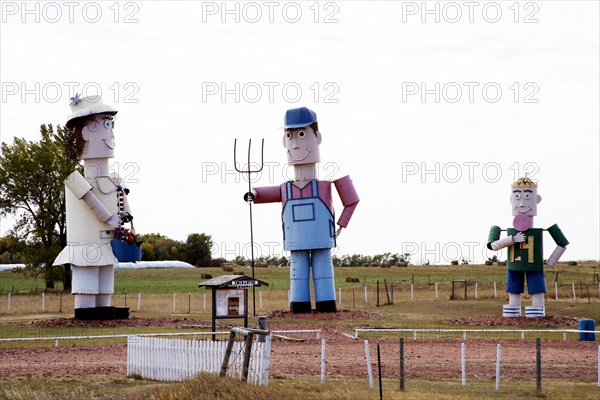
381,294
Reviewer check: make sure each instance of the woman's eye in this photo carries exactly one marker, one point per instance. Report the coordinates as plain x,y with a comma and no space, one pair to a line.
527,196
288,135
517,196
108,124
301,134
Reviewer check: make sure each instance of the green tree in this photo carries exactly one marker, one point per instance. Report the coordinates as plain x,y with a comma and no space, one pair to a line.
197,249
157,247
405,258
32,189
11,249
240,260
283,261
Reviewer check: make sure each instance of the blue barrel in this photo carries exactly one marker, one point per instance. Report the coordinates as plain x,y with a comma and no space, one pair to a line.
587,325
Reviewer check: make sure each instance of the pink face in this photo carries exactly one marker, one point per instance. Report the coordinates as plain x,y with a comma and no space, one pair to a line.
99,137
302,145
524,200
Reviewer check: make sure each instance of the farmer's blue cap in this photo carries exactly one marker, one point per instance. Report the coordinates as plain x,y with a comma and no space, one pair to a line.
299,118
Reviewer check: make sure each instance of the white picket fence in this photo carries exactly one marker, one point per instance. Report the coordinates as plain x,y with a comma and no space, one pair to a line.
164,359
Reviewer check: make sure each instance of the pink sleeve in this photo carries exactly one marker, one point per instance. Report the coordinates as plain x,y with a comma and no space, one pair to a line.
349,198
267,194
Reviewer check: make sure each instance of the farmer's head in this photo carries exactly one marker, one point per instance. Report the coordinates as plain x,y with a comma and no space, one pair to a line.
301,136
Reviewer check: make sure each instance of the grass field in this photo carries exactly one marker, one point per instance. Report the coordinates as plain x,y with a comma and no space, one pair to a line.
156,280
154,290
157,286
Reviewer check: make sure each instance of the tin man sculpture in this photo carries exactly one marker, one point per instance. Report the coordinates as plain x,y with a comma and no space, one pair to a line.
309,231
96,206
525,251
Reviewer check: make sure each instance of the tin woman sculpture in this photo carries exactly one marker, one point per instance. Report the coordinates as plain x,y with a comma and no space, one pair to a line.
96,207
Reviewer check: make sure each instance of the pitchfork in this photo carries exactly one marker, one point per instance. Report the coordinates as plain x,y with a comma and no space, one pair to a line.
250,171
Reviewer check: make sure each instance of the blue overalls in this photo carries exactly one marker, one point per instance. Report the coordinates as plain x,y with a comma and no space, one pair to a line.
309,233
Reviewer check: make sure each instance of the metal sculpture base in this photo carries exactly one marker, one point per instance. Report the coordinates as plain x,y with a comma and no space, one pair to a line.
326,306
300,307
102,313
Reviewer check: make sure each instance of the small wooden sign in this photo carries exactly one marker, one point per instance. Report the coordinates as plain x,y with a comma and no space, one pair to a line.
230,302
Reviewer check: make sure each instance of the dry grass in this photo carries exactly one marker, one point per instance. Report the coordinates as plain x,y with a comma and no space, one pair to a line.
207,387
100,387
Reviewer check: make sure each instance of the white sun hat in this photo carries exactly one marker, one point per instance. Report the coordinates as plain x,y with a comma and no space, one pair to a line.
85,106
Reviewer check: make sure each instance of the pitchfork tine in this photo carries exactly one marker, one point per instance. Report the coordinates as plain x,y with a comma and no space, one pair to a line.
249,171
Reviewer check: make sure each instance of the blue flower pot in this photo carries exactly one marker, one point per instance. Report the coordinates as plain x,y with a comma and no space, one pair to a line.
126,252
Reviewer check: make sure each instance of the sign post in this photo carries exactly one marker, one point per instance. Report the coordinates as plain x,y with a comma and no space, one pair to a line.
230,297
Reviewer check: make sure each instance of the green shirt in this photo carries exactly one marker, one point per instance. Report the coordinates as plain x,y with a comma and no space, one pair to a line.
528,255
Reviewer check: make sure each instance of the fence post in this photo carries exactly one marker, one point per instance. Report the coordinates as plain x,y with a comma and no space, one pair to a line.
9,304
538,364
574,294
228,350
498,367
353,299
556,291
247,353
139,300
367,297
260,306
402,364
387,293
379,370
377,293
587,289
322,361
205,301
476,290
60,302
463,363
370,370
43,301
174,302
495,293
412,291
340,296
436,291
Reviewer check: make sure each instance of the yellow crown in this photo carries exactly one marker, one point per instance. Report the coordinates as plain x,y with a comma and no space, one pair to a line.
524,182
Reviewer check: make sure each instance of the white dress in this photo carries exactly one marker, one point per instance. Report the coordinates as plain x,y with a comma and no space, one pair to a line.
88,239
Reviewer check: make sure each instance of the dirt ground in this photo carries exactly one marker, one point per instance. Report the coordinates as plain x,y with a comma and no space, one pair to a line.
427,359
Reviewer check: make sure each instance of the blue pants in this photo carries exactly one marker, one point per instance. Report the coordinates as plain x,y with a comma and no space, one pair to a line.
323,277
515,282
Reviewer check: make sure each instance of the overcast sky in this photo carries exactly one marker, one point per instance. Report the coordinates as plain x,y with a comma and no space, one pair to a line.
433,110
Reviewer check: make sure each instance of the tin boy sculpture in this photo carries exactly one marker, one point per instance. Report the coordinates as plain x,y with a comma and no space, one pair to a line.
96,204
525,251
309,231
